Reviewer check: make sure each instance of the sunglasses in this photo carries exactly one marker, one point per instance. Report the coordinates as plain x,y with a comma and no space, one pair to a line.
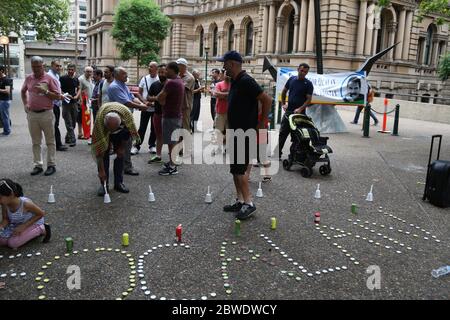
3,182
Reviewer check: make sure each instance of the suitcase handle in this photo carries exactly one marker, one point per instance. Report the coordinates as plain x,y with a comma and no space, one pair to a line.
432,144
429,161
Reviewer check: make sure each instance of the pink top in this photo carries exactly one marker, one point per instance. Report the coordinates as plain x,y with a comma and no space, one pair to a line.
36,100
222,104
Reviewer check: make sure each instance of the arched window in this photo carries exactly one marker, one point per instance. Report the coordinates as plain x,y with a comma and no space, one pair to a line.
215,42
201,44
290,28
231,37
428,45
249,39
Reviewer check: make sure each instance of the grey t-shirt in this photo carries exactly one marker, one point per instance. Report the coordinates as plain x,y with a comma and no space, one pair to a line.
86,85
189,84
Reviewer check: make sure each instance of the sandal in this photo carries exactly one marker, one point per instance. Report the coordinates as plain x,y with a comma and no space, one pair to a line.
267,179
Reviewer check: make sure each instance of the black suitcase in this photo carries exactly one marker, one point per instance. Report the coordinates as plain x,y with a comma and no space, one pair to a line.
437,184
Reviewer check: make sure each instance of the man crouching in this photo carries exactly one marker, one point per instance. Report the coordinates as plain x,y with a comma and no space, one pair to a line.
113,127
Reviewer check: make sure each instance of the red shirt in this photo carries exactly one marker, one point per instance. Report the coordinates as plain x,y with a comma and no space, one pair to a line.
36,100
222,104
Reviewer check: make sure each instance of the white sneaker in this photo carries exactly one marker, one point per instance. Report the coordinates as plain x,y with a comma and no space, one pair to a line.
153,150
134,151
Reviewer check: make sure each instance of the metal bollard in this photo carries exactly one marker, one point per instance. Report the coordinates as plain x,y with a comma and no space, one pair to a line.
396,119
366,123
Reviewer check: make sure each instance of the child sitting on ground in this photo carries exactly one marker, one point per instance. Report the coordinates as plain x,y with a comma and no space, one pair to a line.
22,219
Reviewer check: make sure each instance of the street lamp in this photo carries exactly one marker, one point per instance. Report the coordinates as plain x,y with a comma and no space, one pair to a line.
4,40
206,68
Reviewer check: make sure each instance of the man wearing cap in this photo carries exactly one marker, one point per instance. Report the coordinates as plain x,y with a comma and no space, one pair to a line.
243,99
189,84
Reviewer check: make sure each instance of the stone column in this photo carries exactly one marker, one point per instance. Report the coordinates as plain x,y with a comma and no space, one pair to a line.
265,28
361,27
374,41
280,23
434,53
400,35
302,31
311,28
407,36
99,8
271,25
392,29
99,44
296,22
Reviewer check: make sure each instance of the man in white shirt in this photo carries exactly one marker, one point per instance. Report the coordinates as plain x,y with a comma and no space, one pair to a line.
146,116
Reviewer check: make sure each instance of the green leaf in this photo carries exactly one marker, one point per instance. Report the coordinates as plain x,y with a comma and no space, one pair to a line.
47,17
139,27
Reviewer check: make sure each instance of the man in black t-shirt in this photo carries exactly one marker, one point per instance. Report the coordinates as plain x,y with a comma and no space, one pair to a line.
243,99
300,96
70,85
6,87
154,90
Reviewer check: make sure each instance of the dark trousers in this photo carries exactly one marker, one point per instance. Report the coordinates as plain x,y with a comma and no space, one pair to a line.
358,112
118,141
285,130
213,108
146,117
118,168
57,113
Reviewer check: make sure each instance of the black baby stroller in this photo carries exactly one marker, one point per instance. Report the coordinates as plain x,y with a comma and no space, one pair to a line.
308,147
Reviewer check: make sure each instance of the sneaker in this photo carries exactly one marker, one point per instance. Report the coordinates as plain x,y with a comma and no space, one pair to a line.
134,151
152,150
168,171
246,211
154,159
235,207
353,122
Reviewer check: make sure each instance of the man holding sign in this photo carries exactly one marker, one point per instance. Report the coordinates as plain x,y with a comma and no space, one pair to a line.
300,94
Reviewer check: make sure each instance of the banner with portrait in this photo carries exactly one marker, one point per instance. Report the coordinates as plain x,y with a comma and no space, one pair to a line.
349,88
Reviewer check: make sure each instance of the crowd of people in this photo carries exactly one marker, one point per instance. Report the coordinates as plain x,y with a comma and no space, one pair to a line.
168,98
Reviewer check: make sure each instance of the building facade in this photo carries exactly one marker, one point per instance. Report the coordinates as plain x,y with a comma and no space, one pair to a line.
284,31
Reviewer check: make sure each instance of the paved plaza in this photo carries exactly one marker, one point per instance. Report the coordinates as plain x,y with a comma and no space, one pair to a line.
397,232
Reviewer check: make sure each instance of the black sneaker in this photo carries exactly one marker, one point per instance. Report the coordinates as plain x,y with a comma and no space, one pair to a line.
167,170
48,233
246,212
154,159
235,207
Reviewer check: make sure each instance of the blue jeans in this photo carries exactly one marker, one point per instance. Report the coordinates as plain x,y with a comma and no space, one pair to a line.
4,112
358,112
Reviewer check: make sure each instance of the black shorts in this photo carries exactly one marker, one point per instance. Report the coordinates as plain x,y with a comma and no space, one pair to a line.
241,158
116,139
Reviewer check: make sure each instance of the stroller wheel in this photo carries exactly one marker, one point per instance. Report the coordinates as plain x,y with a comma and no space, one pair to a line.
287,165
325,170
306,172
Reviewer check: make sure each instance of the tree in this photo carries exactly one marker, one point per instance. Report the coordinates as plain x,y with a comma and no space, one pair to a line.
444,67
47,17
439,8
139,27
